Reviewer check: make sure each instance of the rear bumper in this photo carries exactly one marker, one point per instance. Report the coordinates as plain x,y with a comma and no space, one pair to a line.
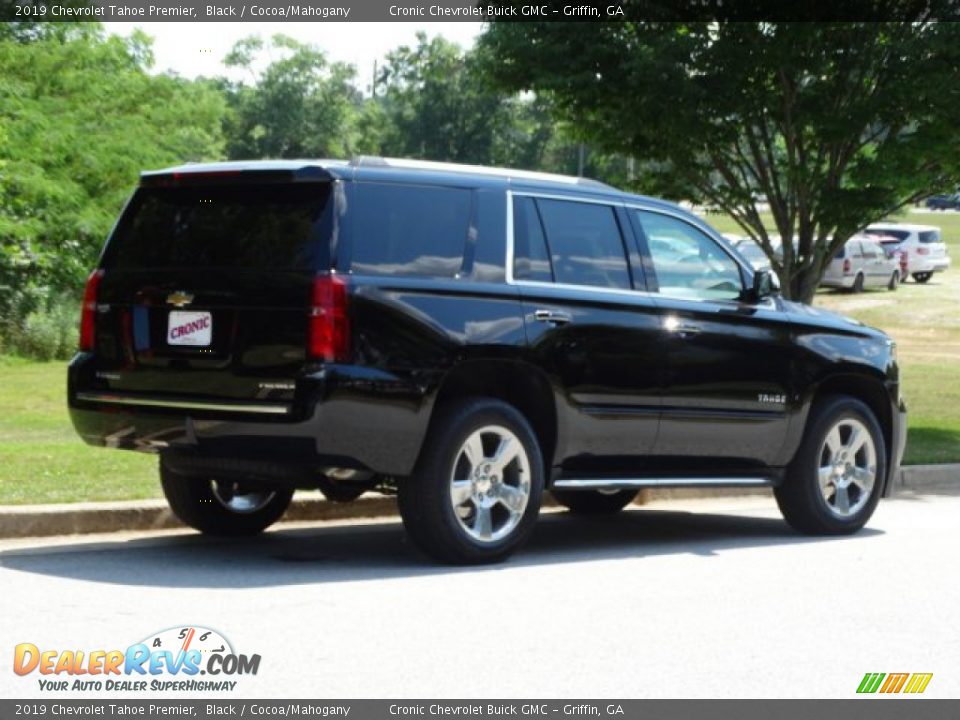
841,281
335,422
920,264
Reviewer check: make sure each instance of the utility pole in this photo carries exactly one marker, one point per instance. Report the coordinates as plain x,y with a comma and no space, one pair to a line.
581,156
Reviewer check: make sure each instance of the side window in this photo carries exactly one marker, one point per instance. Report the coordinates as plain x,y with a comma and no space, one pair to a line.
409,229
531,261
585,244
687,262
869,251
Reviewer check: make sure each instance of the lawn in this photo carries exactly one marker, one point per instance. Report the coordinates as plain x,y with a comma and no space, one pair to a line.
42,460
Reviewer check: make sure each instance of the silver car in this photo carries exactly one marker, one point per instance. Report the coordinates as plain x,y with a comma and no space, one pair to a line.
862,263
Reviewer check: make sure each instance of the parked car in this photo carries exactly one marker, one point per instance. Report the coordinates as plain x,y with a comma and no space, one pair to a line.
468,338
862,263
753,254
944,202
925,251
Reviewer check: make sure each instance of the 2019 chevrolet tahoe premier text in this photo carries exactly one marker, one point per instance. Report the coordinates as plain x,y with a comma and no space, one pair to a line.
471,338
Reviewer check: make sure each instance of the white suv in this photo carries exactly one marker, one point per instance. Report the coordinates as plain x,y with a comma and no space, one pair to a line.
924,247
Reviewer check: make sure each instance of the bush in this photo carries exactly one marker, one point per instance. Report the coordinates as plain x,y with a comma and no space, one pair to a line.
48,331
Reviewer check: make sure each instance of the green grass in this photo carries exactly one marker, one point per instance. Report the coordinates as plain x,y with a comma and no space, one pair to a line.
41,458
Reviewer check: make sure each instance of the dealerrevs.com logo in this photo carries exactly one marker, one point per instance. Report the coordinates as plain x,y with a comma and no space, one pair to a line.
189,658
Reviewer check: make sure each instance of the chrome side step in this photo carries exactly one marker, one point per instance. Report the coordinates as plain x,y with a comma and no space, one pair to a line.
637,483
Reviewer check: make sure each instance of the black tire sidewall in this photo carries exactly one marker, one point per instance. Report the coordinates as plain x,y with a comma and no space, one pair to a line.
803,470
424,498
192,500
594,502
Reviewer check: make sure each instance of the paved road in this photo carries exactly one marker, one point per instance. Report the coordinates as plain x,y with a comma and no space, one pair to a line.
688,598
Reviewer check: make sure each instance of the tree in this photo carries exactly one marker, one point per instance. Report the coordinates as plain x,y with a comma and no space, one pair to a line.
300,105
437,106
838,125
80,117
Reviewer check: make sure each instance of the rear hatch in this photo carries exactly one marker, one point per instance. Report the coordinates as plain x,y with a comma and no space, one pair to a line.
932,245
206,284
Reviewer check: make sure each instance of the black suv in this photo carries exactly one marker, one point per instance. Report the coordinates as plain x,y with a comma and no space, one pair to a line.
470,338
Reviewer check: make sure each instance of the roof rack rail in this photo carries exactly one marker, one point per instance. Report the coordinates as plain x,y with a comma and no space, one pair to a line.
508,173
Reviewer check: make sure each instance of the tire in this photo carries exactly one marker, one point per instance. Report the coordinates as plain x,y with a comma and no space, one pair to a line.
207,505
815,511
498,506
894,281
344,491
857,284
922,277
594,502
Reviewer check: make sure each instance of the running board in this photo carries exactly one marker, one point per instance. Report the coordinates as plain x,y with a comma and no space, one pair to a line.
666,482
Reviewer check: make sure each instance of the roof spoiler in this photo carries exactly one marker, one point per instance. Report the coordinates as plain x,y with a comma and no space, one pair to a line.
204,175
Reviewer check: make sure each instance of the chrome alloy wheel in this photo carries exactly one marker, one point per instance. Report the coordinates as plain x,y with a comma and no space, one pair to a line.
490,484
239,500
848,467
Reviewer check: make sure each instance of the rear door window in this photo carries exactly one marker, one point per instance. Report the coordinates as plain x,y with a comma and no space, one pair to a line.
272,226
585,244
408,229
531,257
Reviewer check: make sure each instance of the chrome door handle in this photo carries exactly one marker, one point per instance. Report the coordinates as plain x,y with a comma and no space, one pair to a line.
554,317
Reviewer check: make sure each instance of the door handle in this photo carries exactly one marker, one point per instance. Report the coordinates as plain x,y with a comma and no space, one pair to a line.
554,317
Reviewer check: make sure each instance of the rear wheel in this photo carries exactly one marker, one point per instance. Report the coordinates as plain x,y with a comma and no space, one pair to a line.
894,281
475,494
594,502
922,277
858,283
834,482
222,507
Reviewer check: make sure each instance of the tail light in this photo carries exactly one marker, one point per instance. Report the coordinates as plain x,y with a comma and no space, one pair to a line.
846,266
328,332
923,251
88,312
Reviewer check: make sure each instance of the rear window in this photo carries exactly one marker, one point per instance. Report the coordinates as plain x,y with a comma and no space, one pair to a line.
276,226
930,236
408,229
888,235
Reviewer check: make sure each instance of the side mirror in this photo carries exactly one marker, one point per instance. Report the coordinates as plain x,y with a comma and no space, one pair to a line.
763,285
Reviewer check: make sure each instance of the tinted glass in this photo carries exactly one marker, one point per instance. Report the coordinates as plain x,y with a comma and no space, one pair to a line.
531,260
930,236
688,263
887,235
261,226
585,244
409,229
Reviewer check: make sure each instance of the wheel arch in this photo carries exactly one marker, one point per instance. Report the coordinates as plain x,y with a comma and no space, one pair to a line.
870,390
515,382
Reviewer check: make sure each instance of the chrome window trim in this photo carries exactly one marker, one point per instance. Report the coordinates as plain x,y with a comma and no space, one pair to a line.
510,250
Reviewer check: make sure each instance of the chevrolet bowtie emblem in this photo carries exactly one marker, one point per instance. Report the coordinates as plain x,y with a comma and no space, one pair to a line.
179,299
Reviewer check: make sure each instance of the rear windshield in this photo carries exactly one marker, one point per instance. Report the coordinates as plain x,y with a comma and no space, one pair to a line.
274,226
930,236
888,235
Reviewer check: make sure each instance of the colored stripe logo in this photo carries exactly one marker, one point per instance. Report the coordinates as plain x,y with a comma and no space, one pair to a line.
911,683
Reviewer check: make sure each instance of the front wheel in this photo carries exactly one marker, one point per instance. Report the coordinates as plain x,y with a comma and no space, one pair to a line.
594,502
922,277
834,482
221,507
894,281
475,494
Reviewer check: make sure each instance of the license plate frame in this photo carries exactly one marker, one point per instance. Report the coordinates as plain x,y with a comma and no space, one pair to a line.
190,328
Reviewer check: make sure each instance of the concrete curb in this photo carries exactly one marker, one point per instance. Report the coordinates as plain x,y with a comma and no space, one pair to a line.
18,521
